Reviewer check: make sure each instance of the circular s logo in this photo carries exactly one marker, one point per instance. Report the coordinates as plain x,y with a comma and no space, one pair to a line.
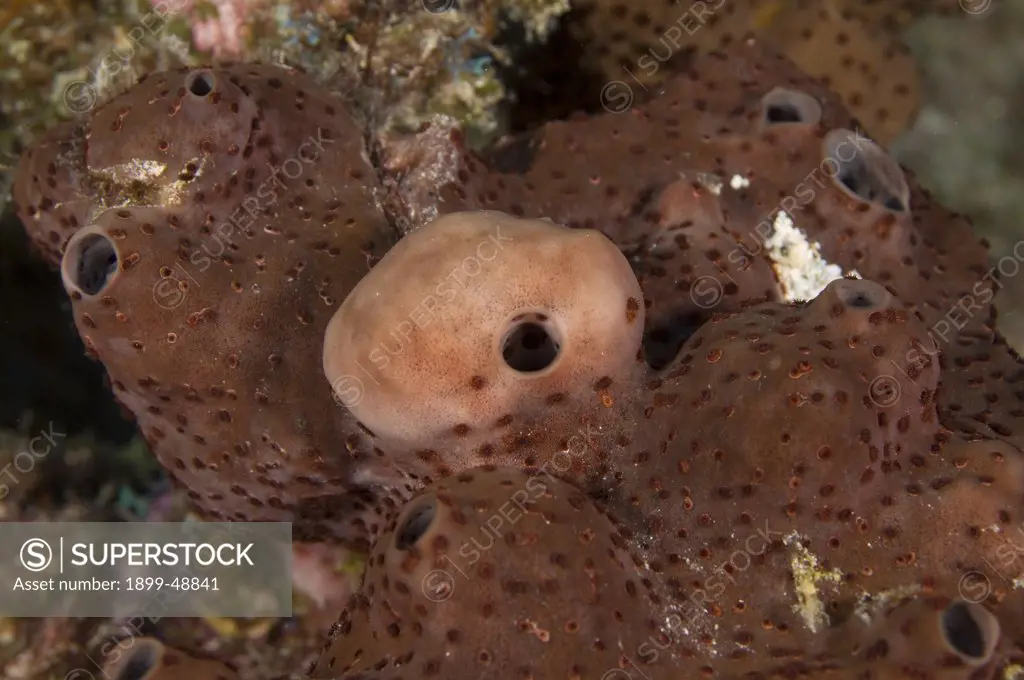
975,587
348,390
36,554
79,674
438,585
616,97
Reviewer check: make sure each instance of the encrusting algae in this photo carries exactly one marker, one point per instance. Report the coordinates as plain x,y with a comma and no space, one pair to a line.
398,63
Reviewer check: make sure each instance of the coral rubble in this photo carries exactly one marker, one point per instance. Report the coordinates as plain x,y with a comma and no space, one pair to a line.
399,62
704,387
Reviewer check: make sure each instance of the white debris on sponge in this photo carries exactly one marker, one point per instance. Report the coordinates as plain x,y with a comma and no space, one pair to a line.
709,181
802,271
871,605
739,182
807,575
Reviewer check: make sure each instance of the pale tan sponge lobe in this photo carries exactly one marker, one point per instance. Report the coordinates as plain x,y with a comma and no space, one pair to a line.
479,315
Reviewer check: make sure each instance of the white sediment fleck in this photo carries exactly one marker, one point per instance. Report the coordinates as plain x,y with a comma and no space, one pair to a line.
135,170
739,182
871,603
709,181
802,271
538,19
807,574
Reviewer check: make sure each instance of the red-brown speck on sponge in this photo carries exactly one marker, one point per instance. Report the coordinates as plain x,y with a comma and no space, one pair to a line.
836,432
494,573
853,46
476,335
920,637
847,200
52,194
232,211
